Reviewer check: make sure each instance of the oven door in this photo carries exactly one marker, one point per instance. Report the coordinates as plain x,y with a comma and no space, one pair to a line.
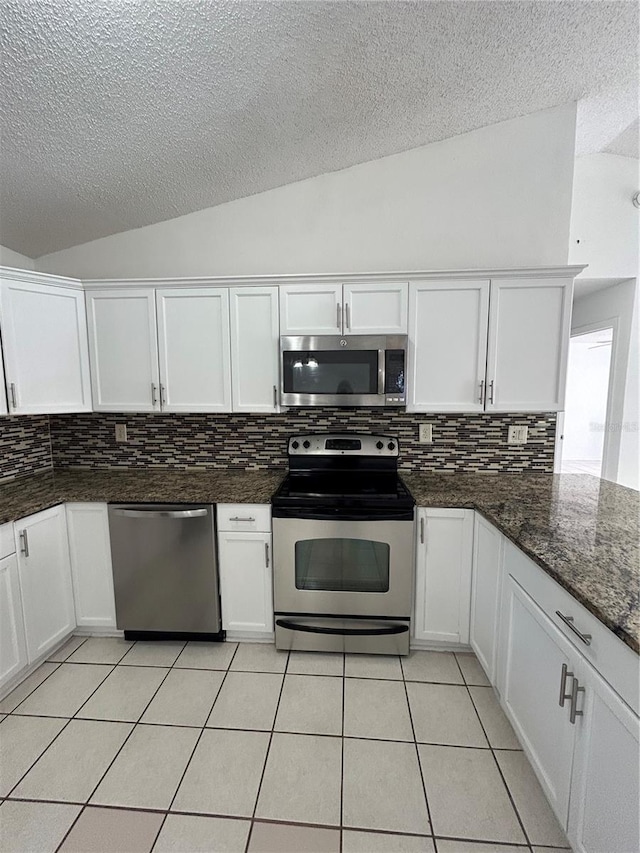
348,568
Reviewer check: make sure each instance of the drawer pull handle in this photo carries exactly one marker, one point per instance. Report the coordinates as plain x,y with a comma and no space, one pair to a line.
266,554
563,684
573,710
568,621
237,518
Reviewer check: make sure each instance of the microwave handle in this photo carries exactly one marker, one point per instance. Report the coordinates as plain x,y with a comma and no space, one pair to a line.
381,370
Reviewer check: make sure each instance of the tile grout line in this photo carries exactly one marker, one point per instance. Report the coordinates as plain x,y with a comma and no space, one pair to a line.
47,660
415,744
493,755
266,757
195,746
66,725
344,684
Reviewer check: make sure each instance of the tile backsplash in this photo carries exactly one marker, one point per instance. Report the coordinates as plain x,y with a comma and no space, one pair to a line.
460,442
25,447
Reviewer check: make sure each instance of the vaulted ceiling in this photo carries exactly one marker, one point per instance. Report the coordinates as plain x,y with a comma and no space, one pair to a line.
120,113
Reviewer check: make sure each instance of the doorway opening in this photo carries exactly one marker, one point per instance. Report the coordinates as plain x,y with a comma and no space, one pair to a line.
585,445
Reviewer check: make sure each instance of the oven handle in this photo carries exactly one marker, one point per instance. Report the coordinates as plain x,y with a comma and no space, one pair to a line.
370,514
343,632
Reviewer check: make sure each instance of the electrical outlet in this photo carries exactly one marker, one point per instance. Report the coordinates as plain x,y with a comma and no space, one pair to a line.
121,432
518,434
425,433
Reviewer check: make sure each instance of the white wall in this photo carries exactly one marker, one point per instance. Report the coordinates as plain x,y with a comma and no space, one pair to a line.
603,218
9,258
622,443
498,196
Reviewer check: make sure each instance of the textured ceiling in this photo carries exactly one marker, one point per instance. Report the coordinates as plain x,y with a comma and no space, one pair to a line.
120,113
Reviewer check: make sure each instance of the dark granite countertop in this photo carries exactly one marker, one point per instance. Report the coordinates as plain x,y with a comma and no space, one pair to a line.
582,531
27,495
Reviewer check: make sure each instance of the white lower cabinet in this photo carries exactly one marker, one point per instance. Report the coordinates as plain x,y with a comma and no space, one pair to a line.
485,594
581,736
13,649
246,575
443,575
536,665
45,579
91,572
605,790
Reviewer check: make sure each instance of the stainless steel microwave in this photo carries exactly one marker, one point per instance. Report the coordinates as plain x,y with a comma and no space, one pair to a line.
355,370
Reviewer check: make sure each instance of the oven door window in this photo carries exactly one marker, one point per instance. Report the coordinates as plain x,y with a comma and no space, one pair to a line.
342,565
330,372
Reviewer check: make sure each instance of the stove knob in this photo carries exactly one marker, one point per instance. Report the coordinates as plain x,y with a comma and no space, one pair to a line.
306,444
391,446
295,445
379,445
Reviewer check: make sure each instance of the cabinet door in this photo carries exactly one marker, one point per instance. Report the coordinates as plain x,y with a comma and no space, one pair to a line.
44,335
376,309
13,650
531,679
246,582
447,345
3,397
311,309
45,580
254,349
529,330
605,791
443,575
193,345
485,594
124,350
91,573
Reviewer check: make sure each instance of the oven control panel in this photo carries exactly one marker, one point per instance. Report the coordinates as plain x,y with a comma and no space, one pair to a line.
342,444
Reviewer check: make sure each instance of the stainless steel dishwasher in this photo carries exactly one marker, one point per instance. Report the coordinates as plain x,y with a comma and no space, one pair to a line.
165,571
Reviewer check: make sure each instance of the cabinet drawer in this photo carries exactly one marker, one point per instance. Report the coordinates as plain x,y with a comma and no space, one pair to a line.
244,517
615,661
7,541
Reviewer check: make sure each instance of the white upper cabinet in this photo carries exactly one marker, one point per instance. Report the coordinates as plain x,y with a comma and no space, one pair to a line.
443,575
124,350
311,309
254,348
350,309
529,328
448,345
375,309
193,347
44,337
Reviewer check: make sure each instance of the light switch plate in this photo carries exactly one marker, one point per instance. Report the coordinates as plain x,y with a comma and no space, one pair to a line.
518,434
121,432
425,434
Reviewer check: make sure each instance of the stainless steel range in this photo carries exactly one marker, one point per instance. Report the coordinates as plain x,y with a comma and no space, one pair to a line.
343,537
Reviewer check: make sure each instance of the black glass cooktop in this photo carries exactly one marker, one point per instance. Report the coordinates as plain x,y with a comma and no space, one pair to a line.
346,488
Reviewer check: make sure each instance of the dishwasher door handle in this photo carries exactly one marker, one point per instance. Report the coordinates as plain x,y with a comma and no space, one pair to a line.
161,513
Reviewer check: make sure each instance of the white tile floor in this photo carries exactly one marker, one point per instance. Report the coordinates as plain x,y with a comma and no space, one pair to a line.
114,746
